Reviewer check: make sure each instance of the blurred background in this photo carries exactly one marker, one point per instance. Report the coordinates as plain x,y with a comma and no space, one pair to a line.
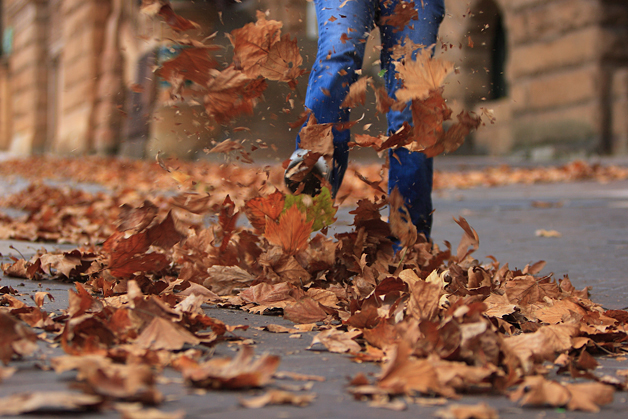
76,77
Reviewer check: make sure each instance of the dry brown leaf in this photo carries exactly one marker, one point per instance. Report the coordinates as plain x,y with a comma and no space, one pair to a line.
20,403
292,232
135,411
164,334
17,338
467,411
242,371
422,76
337,341
357,93
274,397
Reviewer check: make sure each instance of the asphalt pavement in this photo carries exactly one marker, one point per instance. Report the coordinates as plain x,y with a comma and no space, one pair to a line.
591,219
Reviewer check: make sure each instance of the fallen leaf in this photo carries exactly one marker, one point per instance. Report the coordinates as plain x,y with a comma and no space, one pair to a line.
274,397
20,403
467,411
240,372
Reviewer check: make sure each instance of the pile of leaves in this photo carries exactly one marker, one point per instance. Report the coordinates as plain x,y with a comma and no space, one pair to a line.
440,322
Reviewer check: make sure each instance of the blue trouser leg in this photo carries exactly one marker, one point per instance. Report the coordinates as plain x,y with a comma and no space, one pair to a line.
411,172
338,58
335,68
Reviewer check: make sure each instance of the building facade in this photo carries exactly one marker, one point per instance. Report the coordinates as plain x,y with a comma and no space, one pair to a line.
76,75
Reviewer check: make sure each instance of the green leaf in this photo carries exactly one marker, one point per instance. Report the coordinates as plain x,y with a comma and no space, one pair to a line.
381,72
320,208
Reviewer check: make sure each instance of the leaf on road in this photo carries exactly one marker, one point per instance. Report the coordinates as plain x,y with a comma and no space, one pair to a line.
242,371
59,401
275,397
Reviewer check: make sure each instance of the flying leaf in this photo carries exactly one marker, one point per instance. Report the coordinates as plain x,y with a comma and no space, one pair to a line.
400,222
292,232
422,76
257,209
317,138
253,42
283,62
192,62
401,16
319,209
231,93
357,93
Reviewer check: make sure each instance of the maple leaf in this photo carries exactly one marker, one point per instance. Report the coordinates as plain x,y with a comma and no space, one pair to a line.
193,62
450,140
17,338
21,268
317,138
164,9
357,93
405,375
421,76
257,209
292,232
274,397
405,48
428,116
57,401
283,62
337,341
319,209
268,295
383,102
224,280
538,391
227,220
469,239
136,219
400,223
542,344
240,372
230,93
403,13
165,234
305,310
164,334
252,44
128,255
467,411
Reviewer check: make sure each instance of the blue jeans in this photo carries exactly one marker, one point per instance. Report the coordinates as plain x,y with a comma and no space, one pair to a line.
411,172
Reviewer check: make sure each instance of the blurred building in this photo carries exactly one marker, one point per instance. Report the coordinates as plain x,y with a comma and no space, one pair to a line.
76,76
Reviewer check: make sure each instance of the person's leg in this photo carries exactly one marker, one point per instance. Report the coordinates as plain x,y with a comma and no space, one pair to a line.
343,27
410,172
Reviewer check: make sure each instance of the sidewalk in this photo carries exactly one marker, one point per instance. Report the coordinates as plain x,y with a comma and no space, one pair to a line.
592,219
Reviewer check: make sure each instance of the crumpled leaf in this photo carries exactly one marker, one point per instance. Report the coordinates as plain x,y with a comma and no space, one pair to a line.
401,16
19,403
17,338
357,93
242,371
538,391
274,397
467,411
337,341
